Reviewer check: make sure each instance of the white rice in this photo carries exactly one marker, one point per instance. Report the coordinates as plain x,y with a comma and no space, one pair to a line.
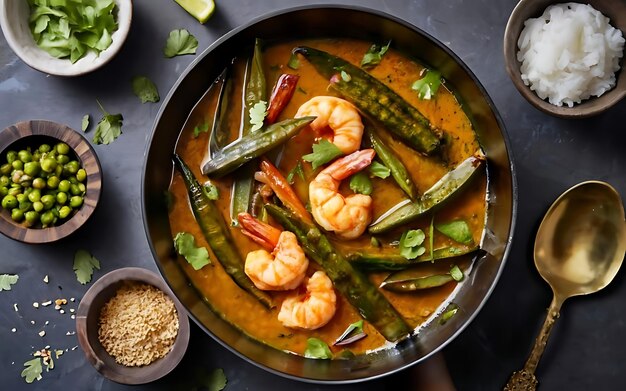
569,53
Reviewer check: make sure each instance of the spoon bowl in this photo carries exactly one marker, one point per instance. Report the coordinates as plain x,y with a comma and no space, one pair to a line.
579,248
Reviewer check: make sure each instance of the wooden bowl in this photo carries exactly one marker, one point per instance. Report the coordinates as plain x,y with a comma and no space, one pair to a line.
87,328
615,10
29,133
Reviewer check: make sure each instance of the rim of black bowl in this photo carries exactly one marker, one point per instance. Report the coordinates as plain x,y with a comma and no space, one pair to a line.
435,42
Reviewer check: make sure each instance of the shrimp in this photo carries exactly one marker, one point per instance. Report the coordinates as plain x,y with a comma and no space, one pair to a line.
340,116
313,309
284,267
347,216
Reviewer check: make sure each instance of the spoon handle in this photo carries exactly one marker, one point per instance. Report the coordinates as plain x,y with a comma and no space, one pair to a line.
525,379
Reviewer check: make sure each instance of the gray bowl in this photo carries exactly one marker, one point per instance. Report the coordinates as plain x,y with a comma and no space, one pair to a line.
307,22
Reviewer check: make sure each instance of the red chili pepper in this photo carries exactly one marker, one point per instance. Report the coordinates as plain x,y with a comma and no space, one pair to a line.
281,95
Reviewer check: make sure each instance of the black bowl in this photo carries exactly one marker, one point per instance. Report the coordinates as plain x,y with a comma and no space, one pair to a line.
309,22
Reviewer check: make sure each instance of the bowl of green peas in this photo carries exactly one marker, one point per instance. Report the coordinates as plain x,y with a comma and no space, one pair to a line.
50,181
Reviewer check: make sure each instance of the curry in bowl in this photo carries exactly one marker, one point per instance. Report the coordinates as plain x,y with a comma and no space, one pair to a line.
340,210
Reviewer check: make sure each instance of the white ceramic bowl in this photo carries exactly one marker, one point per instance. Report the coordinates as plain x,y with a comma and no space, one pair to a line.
14,16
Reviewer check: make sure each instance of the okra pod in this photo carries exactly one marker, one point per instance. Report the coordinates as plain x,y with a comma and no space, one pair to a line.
413,279
253,145
375,99
217,234
219,131
448,186
393,261
353,284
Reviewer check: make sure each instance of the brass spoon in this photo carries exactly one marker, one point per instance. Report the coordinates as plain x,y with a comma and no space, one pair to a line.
579,248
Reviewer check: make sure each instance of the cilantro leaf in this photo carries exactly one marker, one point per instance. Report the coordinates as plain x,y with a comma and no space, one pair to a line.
145,89
428,85
345,76
379,170
85,123
294,62
180,42
316,348
257,115
109,128
216,380
296,170
456,273
6,280
203,127
361,184
374,55
33,370
84,263
457,230
211,191
323,152
185,244
411,244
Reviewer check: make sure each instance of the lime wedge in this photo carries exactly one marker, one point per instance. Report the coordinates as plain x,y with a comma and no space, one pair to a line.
199,9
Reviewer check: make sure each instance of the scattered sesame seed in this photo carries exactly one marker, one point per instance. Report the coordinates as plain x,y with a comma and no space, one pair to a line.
73,316
72,310
45,279
36,305
62,311
46,323
47,347
70,333
57,307
42,333
46,303
32,322
75,347
15,307
72,299
13,330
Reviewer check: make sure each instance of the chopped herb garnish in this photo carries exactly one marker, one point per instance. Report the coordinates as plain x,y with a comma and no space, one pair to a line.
411,243
257,115
109,128
456,273
211,191
84,264
6,280
297,170
316,348
33,370
145,89
361,184
457,230
323,152
294,62
345,76
180,42
450,312
185,244
200,128
85,123
428,85
379,170
374,55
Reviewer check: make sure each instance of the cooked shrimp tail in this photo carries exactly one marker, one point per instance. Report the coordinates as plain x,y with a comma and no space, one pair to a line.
260,232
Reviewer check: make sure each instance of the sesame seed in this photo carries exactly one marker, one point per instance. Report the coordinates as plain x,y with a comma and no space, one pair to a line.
13,330
45,279
36,305
42,333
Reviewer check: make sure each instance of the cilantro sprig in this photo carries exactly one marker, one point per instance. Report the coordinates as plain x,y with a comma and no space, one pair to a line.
374,55
457,230
109,128
316,348
6,280
257,113
361,184
428,85
411,243
84,265
145,89
180,42
323,152
185,244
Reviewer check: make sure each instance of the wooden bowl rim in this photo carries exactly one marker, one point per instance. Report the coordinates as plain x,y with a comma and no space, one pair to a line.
89,161
108,367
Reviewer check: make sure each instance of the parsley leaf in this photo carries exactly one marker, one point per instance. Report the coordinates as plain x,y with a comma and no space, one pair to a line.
211,191
185,244
33,370
316,348
257,115
361,184
456,273
457,230
296,170
109,128
203,127
180,42
6,280
323,152
145,89
84,263
374,55
379,170
428,85
411,243
294,62
85,123
216,381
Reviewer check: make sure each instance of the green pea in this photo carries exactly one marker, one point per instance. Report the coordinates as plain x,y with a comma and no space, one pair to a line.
76,201
75,190
53,182
4,180
6,169
63,159
17,164
43,148
36,156
73,180
25,156
81,175
64,185
11,156
32,168
61,198
9,202
82,188
72,167
39,183
4,191
59,170
62,149
47,218
48,201
38,206
21,197
48,164
31,217
64,212
17,214
14,191
34,195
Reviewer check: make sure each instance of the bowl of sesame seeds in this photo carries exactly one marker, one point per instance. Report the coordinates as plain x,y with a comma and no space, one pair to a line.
131,327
